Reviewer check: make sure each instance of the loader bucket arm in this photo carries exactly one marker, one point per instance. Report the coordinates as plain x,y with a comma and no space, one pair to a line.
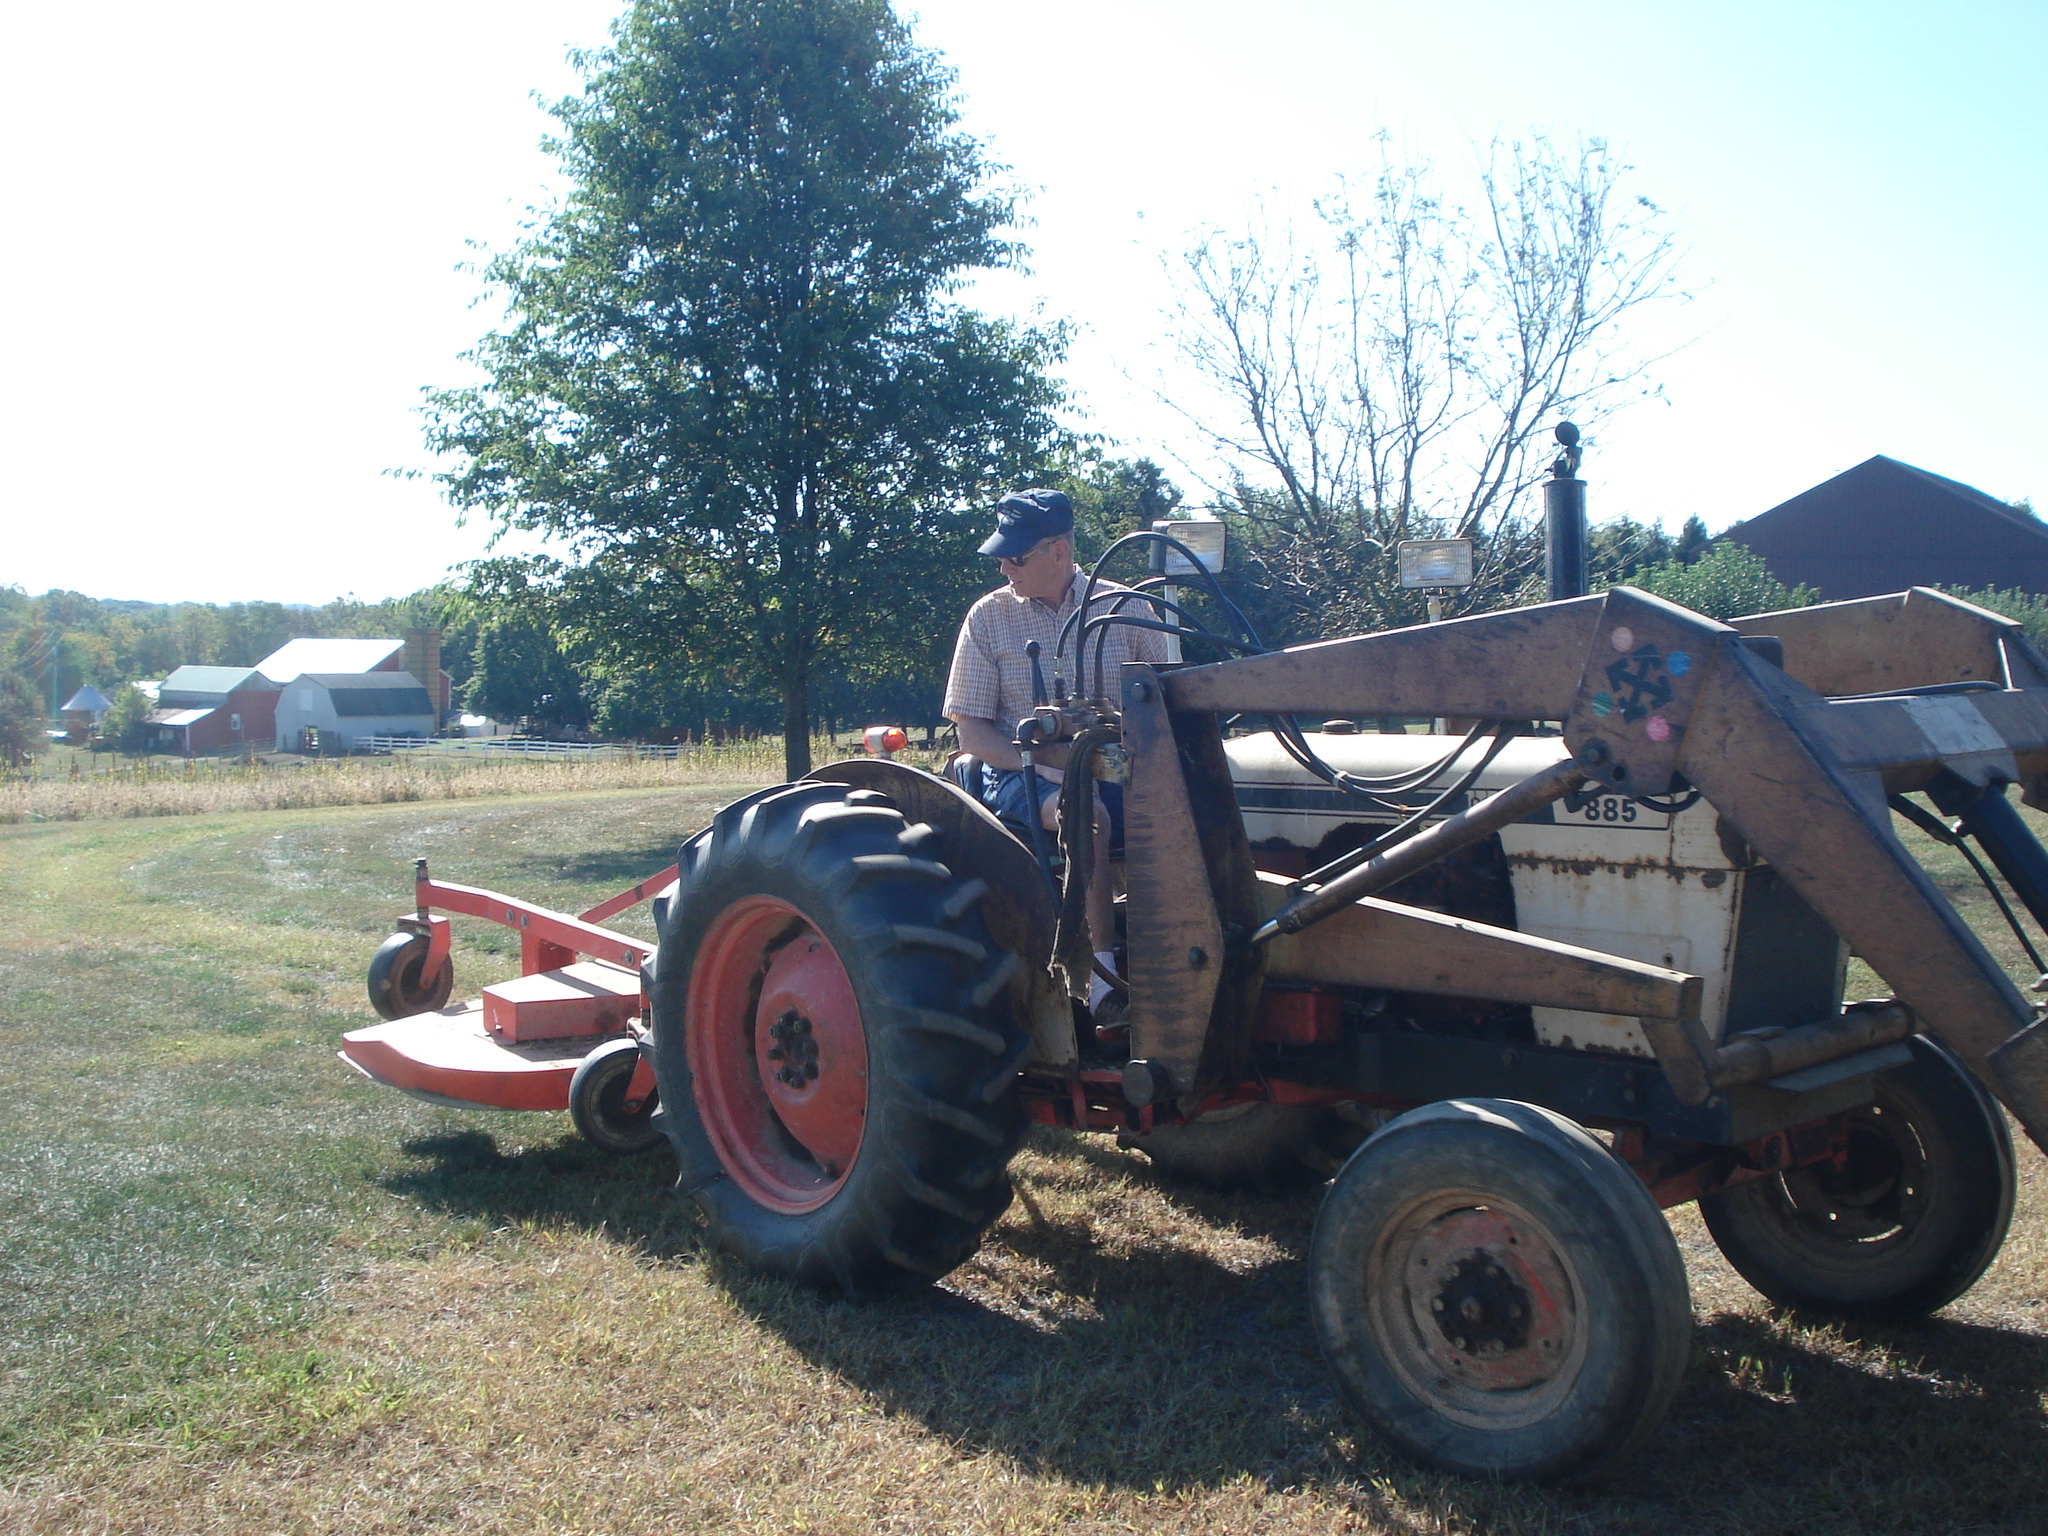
1652,697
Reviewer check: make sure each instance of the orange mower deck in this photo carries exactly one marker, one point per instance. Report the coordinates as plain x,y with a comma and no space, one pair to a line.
520,1044
450,1056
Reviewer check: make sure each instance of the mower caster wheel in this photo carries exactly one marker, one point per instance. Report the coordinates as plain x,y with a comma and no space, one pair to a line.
397,989
597,1101
1914,1215
1497,1294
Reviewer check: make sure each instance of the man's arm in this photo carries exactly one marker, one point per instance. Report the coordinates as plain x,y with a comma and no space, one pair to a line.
985,739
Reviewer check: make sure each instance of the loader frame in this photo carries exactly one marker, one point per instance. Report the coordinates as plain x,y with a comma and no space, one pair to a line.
1874,699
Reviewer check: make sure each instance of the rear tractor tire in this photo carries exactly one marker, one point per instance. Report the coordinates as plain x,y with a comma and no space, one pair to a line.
835,1052
1910,1222
398,989
1497,1294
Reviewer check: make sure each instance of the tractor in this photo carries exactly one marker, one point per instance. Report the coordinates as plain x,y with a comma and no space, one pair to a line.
1513,987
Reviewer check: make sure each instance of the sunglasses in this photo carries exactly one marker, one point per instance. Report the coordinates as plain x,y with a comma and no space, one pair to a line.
1018,562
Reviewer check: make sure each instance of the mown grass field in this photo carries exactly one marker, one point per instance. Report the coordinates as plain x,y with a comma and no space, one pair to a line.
243,1290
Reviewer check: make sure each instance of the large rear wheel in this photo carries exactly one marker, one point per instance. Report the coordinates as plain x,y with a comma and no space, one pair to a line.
836,1061
1914,1212
1497,1295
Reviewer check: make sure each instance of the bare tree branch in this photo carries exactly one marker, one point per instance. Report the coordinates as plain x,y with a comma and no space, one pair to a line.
1386,372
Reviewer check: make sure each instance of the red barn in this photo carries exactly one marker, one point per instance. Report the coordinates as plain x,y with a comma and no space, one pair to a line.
214,709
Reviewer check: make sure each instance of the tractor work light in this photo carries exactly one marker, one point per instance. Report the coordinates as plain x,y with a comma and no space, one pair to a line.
1427,563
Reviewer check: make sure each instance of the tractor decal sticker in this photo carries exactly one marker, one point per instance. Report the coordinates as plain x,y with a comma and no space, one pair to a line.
1640,683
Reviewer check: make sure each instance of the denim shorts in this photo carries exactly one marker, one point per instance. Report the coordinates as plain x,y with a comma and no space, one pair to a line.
1002,791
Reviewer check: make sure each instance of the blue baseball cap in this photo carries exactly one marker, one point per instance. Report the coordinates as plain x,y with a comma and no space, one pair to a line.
1027,518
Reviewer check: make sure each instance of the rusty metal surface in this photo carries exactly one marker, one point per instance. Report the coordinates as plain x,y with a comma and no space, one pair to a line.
1642,670
1646,689
1759,1057
1233,886
1374,943
1984,738
1522,663
1875,644
1759,751
1017,906
1173,933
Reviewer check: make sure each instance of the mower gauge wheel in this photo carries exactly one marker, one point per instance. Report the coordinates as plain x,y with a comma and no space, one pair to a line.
1497,1294
597,1101
397,989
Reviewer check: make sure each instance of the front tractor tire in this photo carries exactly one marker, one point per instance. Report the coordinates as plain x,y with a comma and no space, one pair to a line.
833,1047
1909,1220
1497,1294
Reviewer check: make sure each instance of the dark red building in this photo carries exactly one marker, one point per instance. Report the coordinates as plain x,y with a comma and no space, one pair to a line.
1885,526
214,709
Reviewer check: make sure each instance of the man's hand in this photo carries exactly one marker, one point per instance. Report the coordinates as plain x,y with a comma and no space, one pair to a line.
985,739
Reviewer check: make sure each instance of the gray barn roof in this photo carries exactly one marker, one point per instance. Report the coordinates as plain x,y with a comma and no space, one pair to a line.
209,685
86,699
371,693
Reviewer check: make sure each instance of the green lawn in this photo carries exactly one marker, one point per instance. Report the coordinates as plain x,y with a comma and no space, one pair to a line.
242,1289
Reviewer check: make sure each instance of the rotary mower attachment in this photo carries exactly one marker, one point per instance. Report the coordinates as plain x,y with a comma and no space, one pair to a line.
565,1033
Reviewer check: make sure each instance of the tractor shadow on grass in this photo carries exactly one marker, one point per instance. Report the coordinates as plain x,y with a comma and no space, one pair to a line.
1180,1358
560,1182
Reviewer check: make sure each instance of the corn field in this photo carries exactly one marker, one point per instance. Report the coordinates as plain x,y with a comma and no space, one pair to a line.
198,786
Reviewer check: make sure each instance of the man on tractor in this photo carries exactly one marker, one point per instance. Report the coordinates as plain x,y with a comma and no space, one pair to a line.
990,686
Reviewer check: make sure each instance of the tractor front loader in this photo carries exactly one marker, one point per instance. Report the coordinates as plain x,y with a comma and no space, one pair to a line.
1619,895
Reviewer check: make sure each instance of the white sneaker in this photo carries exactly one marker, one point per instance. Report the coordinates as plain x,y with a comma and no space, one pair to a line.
1098,989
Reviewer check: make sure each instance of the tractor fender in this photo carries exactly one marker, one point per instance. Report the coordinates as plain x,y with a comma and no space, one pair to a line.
1019,906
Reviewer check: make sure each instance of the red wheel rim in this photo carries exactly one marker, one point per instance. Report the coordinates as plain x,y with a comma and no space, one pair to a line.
777,1054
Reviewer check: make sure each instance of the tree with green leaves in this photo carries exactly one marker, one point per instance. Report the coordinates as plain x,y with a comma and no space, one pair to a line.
734,380
24,720
1113,497
519,673
1724,581
125,725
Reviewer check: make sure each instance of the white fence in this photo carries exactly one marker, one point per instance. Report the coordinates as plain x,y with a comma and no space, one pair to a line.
514,746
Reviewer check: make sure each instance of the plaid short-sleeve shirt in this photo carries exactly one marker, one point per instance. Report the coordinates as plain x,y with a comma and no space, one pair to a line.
991,676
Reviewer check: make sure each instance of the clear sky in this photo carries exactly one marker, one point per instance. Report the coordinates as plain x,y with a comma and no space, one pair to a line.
236,233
